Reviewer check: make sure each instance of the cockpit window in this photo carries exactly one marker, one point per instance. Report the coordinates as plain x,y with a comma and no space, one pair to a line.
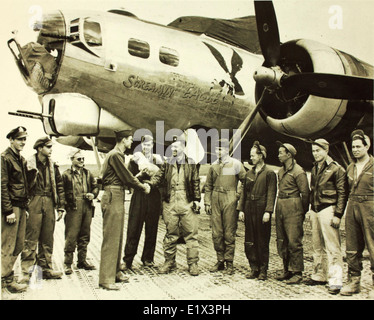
92,33
138,48
169,56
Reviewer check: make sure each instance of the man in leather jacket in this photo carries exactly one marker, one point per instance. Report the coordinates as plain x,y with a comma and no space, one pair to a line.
80,189
14,203
328,200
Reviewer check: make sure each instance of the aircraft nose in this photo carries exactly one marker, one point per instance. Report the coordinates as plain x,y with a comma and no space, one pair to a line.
38,61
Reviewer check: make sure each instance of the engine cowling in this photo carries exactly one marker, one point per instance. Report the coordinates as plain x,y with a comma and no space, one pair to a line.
308,116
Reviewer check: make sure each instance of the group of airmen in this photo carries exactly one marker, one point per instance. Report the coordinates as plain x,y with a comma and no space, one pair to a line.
32,190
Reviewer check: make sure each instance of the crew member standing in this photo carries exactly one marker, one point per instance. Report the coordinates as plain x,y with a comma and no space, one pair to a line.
256,206
14,201
359,220
47,193
80,189
180,177
115,177
221,199
328,200
292,205
145,209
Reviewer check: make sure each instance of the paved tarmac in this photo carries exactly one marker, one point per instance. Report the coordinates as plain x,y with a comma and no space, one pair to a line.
147,284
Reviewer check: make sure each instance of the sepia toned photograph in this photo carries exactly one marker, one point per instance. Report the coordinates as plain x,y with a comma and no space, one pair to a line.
202,152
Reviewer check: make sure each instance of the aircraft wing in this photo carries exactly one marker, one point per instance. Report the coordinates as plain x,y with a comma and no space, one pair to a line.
240,32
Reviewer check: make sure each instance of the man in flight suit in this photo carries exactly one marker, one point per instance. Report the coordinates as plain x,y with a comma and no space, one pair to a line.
256,206
328,200
292,205
47,193
80,189
144,208
115,176
179,176
221,198
359,221
14,202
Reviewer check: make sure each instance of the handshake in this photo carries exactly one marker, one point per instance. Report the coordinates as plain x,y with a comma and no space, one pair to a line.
147,188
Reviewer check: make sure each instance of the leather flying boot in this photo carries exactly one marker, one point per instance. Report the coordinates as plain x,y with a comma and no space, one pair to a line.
229,268
13,287
167,267
51,274
85,265
220,265
253,274
352,286
193,269
67,269
296,278
263,275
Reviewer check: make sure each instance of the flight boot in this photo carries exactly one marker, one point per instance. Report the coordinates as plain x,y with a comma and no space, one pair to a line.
220,265
51,274
229,268
193,269
12,286
352,286
167,267
253,274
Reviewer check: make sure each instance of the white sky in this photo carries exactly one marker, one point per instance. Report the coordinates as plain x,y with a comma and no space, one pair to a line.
307,19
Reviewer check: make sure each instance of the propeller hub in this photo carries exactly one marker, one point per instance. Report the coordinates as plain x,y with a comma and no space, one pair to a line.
269,77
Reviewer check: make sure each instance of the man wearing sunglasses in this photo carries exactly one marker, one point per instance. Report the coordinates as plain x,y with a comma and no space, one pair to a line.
47,194
80,189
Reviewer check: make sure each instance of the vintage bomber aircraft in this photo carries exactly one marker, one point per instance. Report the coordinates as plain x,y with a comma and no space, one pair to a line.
97,72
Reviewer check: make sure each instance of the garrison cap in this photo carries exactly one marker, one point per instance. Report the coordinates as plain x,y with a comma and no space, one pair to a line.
261,148
73,152
146,138
222,143
180,138
361,135
16,133
321,143
289,147
120,134
41,142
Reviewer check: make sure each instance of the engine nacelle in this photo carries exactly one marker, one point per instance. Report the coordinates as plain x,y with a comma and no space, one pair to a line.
308,116
72,114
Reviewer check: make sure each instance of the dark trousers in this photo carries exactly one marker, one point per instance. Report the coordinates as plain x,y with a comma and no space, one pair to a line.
77,231
257,235
39,234
359,226
12,241
145,210
289,220
113,209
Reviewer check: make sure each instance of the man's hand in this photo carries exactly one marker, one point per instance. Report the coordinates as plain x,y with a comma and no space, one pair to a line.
90,196
208,210
266,217
147,188
241,216
196,206
11,218
60,214
335,222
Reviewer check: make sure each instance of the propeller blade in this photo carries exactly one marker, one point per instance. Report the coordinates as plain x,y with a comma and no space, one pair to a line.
268,33
333,86
245,125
